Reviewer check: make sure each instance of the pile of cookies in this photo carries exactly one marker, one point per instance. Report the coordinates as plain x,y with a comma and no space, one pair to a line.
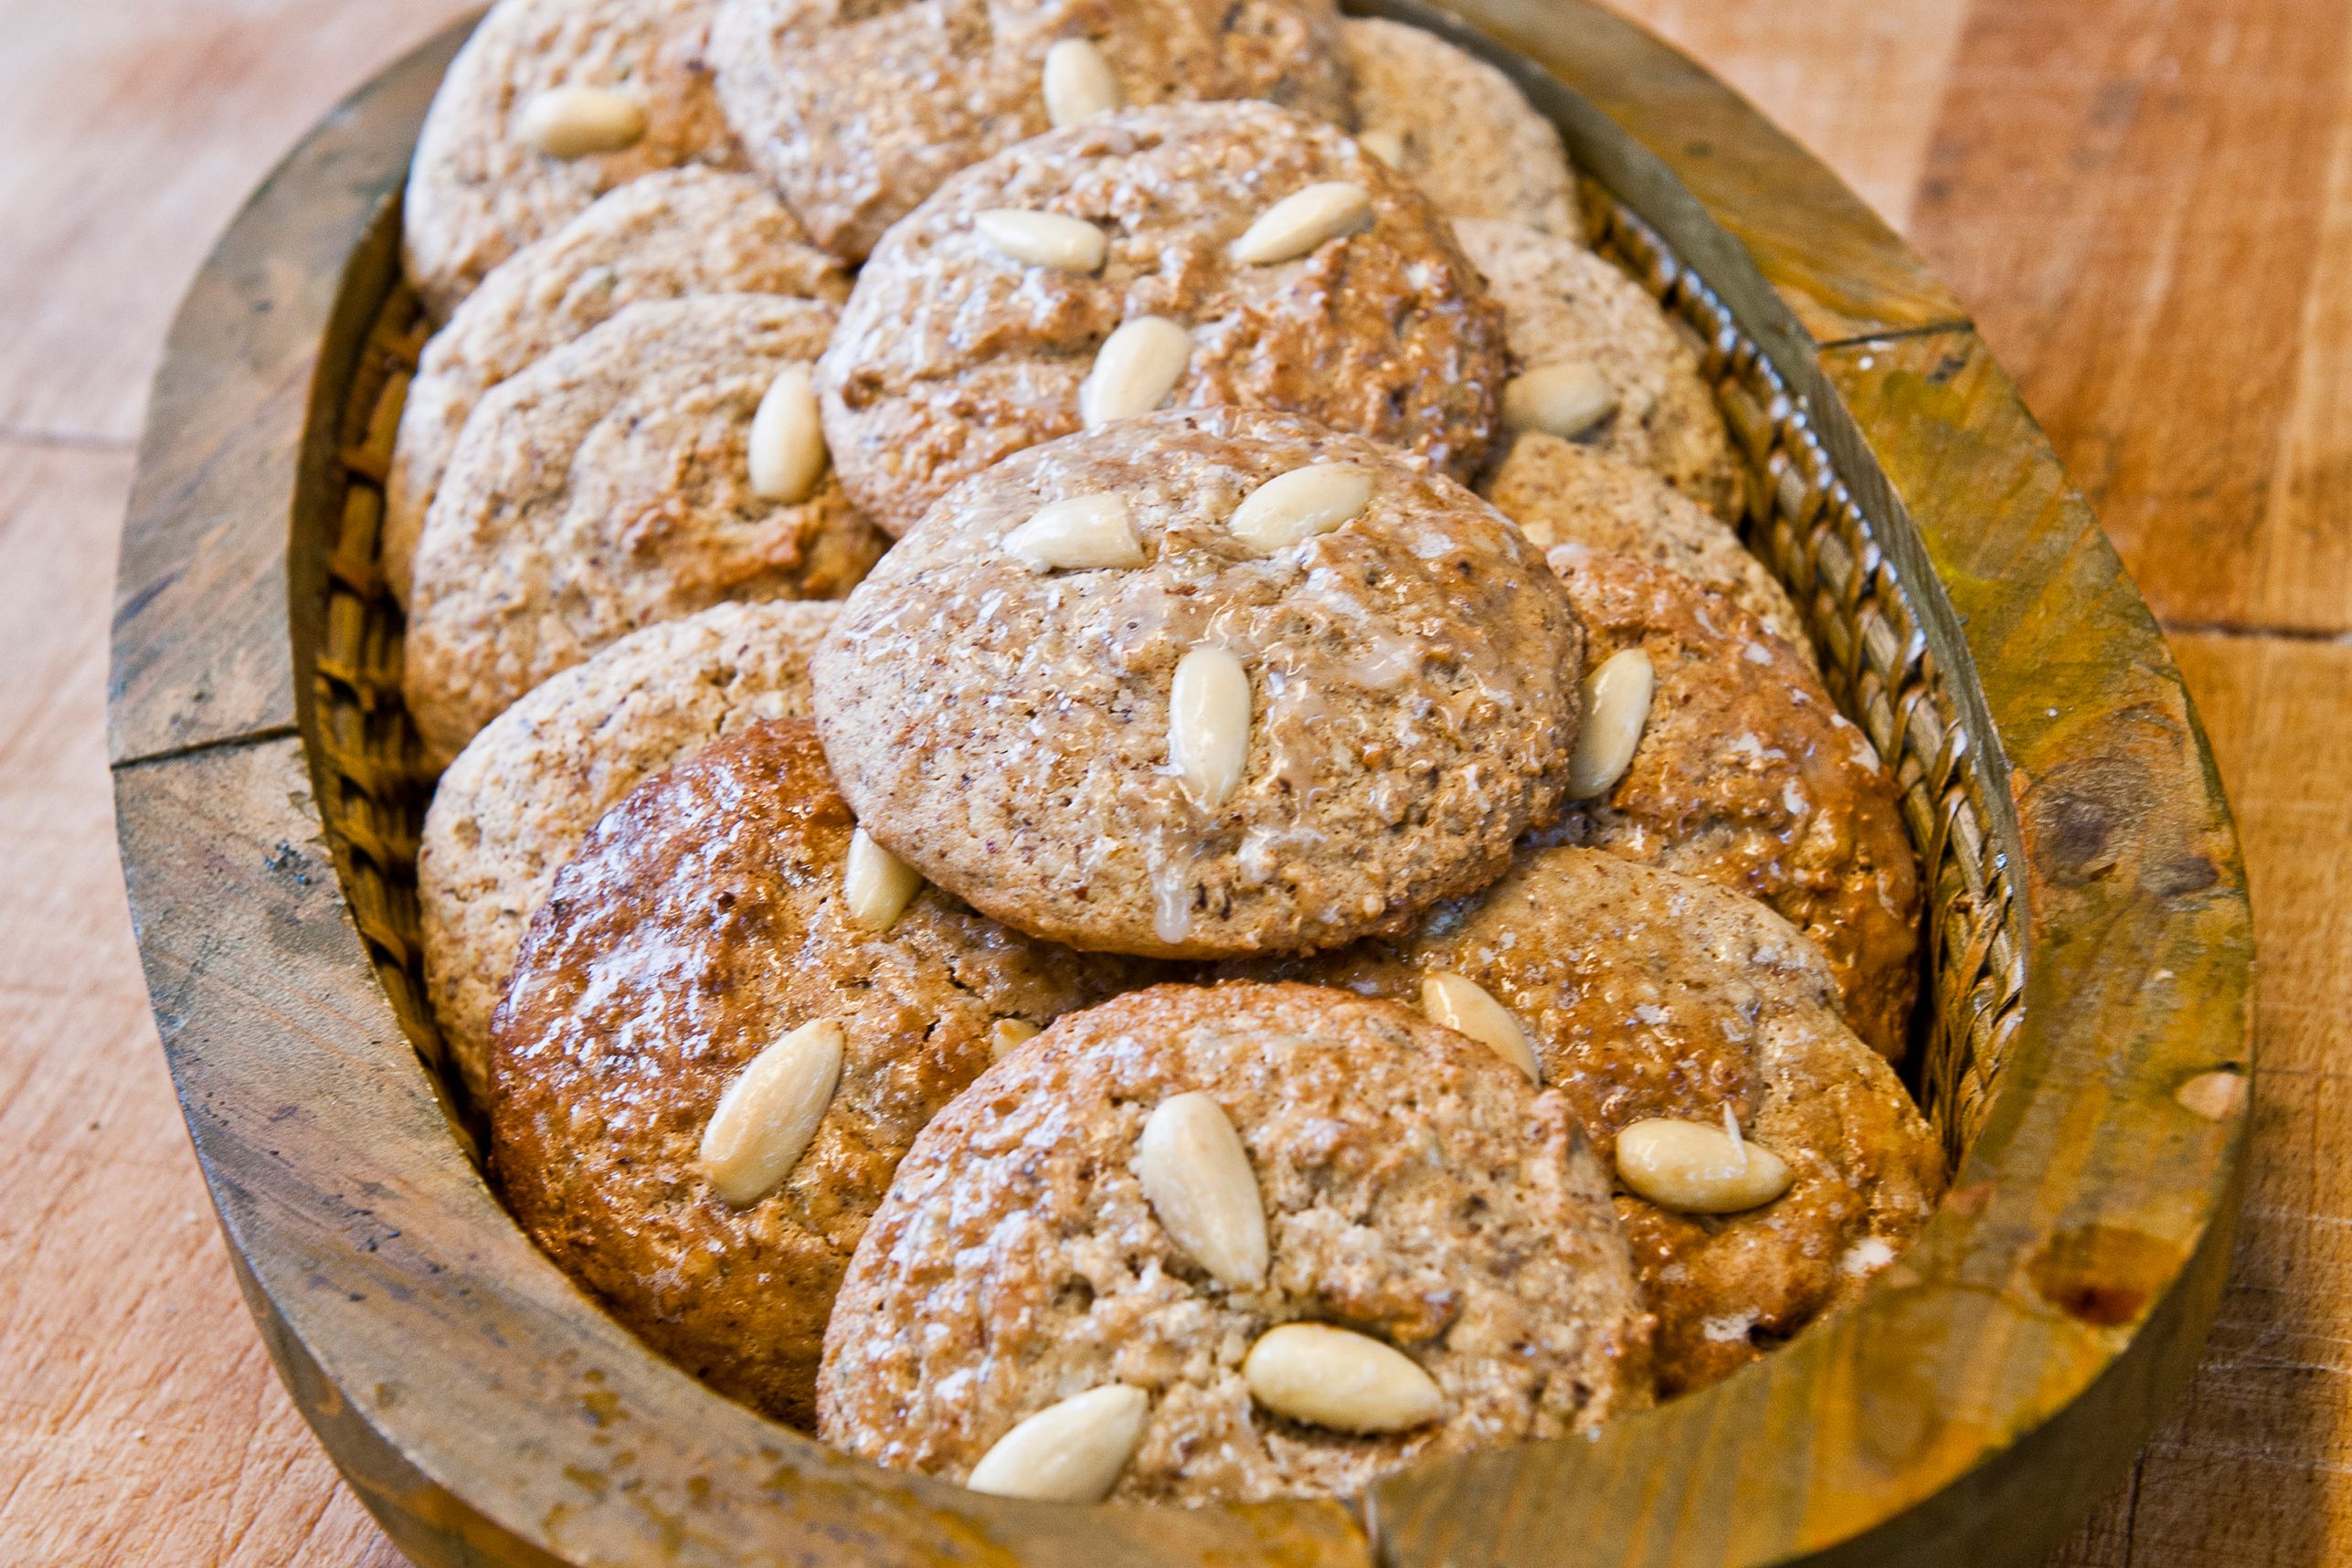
1119,816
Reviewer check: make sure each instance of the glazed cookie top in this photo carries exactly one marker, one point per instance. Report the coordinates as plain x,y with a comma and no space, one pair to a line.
1565,492
550,104
1579,326
1215,1206
1458,128
703,945
1207,683
1102,270
1647,996
678,232
1746,775
825,96
523,793
609,486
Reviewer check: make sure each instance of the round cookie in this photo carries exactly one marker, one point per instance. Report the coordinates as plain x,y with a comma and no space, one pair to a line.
1414,1188
702,922
953,355
524,792
480,188
606,488
1563,492
1746,775
858,114
1647,994
1565,304
1458,128
679,232
1407,698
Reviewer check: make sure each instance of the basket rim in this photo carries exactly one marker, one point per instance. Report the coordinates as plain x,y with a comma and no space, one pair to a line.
1967,1409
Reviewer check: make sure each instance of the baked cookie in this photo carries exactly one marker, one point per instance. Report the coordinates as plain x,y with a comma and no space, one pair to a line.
858,114
1458,128
1565,492
954,352
1120,692
682,231
704,922
1568,308
1388,1182
523,793
550,104
607,487
1647,995
1746,775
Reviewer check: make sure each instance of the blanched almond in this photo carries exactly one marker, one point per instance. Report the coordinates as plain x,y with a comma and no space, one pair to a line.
1616,709
1695,1169
1135,369
573,121
768,1115
1079,533
787,438
1078,82
1069,1452
1563,399
1385,145
1311,1372
1300,505
1209,709
1465,1006
1304,219
1043,239
877,885
1197,1175
1007,1036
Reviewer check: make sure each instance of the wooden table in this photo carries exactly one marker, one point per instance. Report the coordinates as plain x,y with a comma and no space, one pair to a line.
2149,203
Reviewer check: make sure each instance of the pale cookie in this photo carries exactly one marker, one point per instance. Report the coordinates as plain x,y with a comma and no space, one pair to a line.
524,792
705,922
1458,128
668,235
627,76
954,353
858,114
1426,1214
607,487
1109,695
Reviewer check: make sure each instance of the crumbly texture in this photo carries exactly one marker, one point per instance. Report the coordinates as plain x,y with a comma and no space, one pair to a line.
859,112
701,922
1415,1190
679,232
478,191
951,355
1747,777
608,487
1413,697
1562,302
1649,994
1471,140
1565,492
523,794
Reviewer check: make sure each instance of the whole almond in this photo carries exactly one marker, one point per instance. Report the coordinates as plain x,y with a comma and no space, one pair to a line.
1080,532
1197,1175
573,121
1078,82
1209,707
768,1115
1330,1377
1465,1006
1300,505
1069,1452
1616,709
1135,369
787,438
1695,1169
877,885
1007,1036
1304,219
1563,399
1043,239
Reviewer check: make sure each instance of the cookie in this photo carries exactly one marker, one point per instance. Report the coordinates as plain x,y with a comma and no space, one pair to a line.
1565,492
703,922
1211,741
1648,995
859,114
606,488
1747,777
616,88
1567,307
1458,128
682,231
953,353
524,792
1409,1190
